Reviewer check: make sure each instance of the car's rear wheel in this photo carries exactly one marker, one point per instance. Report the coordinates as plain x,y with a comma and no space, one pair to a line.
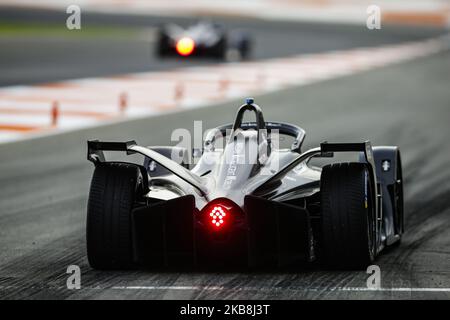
162,48
398,198
348,216
220,49
112,195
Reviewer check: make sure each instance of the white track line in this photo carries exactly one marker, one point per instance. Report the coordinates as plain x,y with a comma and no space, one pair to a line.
396,289
222,288
218,288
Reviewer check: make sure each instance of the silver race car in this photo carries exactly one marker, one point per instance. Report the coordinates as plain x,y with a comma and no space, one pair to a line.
245,203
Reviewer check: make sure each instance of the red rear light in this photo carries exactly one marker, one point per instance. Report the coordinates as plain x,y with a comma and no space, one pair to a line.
185,46
220,214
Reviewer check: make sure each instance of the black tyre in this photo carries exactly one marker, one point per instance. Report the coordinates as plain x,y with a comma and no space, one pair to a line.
162,47
348,216
397,192
114,187
220,49
244,46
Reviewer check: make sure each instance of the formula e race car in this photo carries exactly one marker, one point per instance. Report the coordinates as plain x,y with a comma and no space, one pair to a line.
247,202
203,39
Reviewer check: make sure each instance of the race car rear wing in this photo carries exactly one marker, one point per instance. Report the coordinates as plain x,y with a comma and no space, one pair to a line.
326,149
96,148
364,147
95,154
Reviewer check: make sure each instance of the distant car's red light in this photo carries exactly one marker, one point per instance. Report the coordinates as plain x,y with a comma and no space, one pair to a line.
185,46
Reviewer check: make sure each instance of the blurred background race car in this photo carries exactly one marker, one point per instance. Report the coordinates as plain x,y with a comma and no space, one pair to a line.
203,39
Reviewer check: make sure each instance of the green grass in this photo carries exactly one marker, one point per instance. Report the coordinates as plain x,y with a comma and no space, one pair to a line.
19,29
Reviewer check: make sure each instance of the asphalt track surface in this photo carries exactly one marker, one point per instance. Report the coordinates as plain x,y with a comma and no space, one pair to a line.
37,59
44,184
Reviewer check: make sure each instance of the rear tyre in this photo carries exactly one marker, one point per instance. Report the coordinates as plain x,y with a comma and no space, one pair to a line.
162,48
108,231
348,216
244,47
398,199
220,49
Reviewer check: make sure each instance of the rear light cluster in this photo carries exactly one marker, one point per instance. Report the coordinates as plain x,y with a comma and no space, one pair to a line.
221,214
218,215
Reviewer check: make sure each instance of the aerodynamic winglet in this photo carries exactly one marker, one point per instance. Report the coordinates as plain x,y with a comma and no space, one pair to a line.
95,154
